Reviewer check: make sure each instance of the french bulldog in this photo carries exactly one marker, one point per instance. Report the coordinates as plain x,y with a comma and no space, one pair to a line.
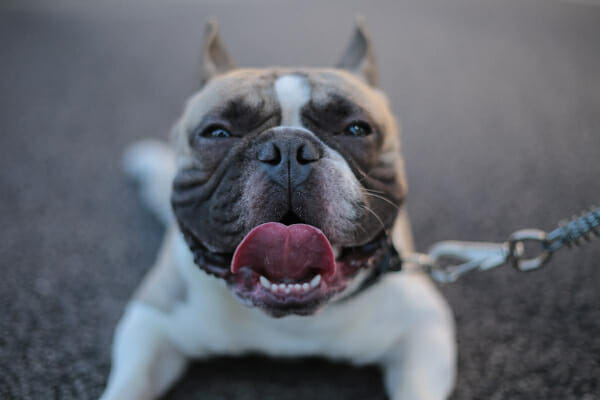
279,193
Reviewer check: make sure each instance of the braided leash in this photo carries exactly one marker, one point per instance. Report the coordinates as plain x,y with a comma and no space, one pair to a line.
526,249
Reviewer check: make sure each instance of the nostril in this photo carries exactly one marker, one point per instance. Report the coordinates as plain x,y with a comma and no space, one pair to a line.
306,154
270,154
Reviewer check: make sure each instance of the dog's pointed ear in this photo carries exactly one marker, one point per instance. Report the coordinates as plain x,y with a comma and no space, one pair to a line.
215,60
359,56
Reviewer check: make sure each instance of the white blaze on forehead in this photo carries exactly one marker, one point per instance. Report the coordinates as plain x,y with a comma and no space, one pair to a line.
293,92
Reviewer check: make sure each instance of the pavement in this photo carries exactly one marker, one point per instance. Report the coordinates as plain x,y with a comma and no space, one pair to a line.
500,107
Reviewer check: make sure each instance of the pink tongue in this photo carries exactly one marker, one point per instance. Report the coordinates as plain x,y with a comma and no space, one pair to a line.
279,251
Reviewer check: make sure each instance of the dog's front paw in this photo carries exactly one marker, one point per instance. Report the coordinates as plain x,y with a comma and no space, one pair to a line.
137,389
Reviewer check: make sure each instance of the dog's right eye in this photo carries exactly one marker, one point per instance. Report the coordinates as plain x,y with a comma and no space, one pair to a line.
215,131
358,129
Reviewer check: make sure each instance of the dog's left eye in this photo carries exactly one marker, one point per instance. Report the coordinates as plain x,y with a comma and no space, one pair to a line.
358,129
215,131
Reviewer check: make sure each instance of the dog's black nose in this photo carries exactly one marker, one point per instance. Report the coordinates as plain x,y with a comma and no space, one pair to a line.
288,156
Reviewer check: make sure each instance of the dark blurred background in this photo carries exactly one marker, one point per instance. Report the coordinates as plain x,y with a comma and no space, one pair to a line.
500,105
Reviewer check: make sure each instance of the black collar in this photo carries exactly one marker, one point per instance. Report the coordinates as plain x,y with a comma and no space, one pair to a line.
388,260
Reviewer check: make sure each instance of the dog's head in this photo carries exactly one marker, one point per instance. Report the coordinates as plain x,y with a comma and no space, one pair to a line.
287,178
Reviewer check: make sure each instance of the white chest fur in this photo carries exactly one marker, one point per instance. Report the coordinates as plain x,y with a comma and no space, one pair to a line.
211,321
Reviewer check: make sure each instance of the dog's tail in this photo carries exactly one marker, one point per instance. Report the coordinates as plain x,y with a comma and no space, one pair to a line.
151,164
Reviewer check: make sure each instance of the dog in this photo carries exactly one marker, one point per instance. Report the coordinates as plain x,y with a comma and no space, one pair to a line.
282,195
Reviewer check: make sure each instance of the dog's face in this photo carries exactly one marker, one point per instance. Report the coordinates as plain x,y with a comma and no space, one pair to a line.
287,178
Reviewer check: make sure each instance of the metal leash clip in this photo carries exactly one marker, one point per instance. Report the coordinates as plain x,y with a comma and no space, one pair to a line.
441,260
526,250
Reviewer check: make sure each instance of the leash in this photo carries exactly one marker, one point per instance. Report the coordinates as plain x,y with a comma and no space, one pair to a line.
446,261
526,250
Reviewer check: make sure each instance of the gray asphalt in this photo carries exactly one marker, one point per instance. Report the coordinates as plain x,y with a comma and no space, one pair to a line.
500,105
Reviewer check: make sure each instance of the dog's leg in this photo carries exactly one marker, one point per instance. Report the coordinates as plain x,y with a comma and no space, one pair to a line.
422,364
151,163
144,361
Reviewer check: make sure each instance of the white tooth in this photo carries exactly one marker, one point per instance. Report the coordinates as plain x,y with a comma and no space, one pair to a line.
315,281
287,290
274,287
297,287
265,282
337,250
282,286
305,286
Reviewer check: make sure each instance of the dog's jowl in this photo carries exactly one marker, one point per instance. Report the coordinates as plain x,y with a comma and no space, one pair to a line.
281,192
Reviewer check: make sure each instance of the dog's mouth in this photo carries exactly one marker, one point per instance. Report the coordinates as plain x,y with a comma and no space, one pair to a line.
287,267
